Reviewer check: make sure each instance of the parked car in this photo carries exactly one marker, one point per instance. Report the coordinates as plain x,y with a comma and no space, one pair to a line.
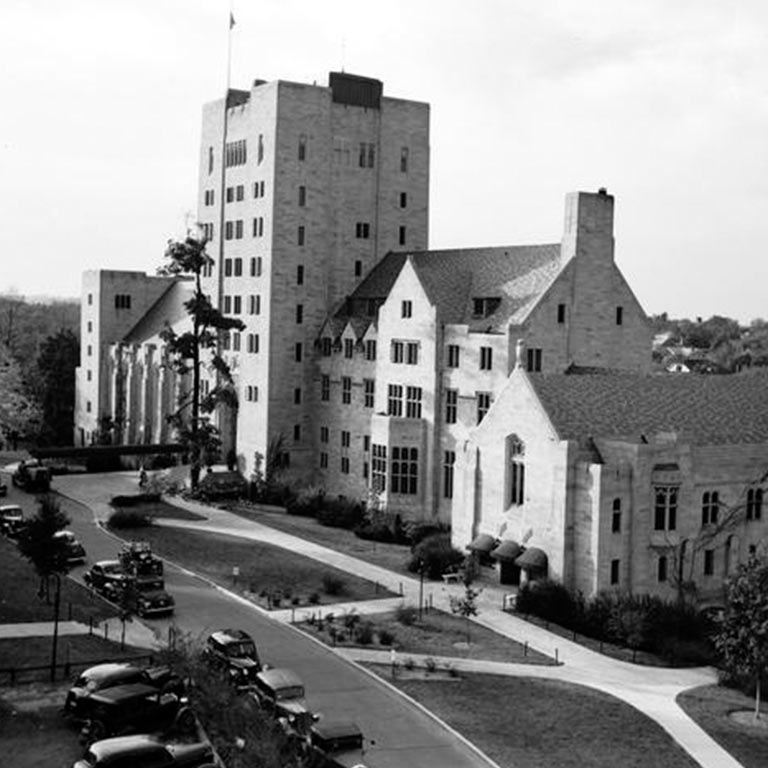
144,751
132,708
11,519
233,650
105,575
103,676
337,744
136,557
145,597
75,550
31,475
281,692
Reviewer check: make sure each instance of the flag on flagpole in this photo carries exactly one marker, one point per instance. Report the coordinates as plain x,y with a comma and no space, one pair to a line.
231,20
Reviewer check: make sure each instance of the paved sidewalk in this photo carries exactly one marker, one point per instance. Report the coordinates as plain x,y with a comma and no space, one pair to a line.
651,690
136,632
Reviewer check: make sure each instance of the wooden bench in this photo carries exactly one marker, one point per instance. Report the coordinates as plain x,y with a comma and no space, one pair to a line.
452,577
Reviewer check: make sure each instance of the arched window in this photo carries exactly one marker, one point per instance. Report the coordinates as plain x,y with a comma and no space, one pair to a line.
515,471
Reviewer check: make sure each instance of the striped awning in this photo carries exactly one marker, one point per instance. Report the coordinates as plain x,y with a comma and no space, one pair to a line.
483,543
533,559
508,551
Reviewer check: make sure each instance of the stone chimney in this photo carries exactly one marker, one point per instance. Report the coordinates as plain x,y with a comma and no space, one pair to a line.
588,232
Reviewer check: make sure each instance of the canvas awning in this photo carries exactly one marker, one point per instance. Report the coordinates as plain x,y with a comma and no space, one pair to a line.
533,559
483,543
508,551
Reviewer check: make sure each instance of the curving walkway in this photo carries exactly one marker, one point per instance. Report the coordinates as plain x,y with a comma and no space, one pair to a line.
652,690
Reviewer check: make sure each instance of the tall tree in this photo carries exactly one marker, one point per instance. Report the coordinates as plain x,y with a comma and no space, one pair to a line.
743,636
18,413
39,544
53,384
194,348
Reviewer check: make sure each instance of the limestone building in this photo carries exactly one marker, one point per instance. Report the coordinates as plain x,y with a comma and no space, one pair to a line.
309,189
414,359
643,483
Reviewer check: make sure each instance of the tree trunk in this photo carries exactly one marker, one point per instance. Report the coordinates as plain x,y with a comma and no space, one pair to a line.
757,696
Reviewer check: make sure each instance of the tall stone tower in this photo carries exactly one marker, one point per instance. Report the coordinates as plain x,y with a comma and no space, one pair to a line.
309,189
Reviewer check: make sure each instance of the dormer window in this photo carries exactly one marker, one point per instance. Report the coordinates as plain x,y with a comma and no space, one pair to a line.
484,307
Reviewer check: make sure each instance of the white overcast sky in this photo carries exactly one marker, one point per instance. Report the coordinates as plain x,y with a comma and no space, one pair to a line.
664,102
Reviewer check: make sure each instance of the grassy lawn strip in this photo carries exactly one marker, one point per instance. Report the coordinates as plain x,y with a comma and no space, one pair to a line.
19,601
391,556
41,739
263,568
529,723
436,634
162,509
710,706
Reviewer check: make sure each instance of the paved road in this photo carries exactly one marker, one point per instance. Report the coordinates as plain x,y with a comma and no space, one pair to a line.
402,734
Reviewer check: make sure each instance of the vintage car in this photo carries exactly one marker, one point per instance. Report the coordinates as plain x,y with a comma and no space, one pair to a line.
136,558
144,751
234,651
281,692
134,708
105,575
11,519
32,475
103,676
336,744
74,549
145,597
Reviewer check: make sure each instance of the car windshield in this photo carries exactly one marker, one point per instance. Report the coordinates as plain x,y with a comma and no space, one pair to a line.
151,585
244,649
290,692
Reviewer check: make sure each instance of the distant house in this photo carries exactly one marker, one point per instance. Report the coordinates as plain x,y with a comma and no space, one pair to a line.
647,484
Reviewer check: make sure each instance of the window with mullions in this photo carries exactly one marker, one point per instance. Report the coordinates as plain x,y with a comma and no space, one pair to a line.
754,503
379,468
325,388
483,405
349,348
346,390
453,356
395,400
413,402
709,507
370,350
369,392
451,405
449,460
405,471
486,358
665,507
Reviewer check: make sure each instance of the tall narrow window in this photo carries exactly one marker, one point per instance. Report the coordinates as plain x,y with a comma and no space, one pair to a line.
451,405
401,235
615,566
403,199
404,160
486,358
349,348
298,351
346,390
619,315
370,349
453,356
661,569
300,274
483,404
534,360
449,459
413,402
369,388
301,235
299,314
302,147
325,388
397,351
710,502
561,313
665,507
260,149
379,468
302,196
754,503
406,309
210,160
616,519
709,562
516,476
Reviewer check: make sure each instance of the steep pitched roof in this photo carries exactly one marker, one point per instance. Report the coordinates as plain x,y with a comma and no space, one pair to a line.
706,409
167,310
517,275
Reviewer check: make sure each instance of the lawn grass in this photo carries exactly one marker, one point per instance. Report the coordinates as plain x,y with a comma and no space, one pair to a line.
390,556
19,601
435,634
263,568
74,653
530,723
710,707
162,509
40,739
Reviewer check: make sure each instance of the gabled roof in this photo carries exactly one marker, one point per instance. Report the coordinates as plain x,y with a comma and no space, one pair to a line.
167,310
706,409
516,275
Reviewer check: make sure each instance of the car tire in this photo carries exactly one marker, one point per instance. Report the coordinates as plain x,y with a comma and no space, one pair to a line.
186,722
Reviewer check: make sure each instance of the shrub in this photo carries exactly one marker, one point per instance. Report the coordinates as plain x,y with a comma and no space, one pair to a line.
430,664
547,599
386,637
333,585
437,555
314,598
416,531
129,518
409,663
406,614
351,619
374,532
340,513
296,600
134,500
364,633
308,503
275,494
